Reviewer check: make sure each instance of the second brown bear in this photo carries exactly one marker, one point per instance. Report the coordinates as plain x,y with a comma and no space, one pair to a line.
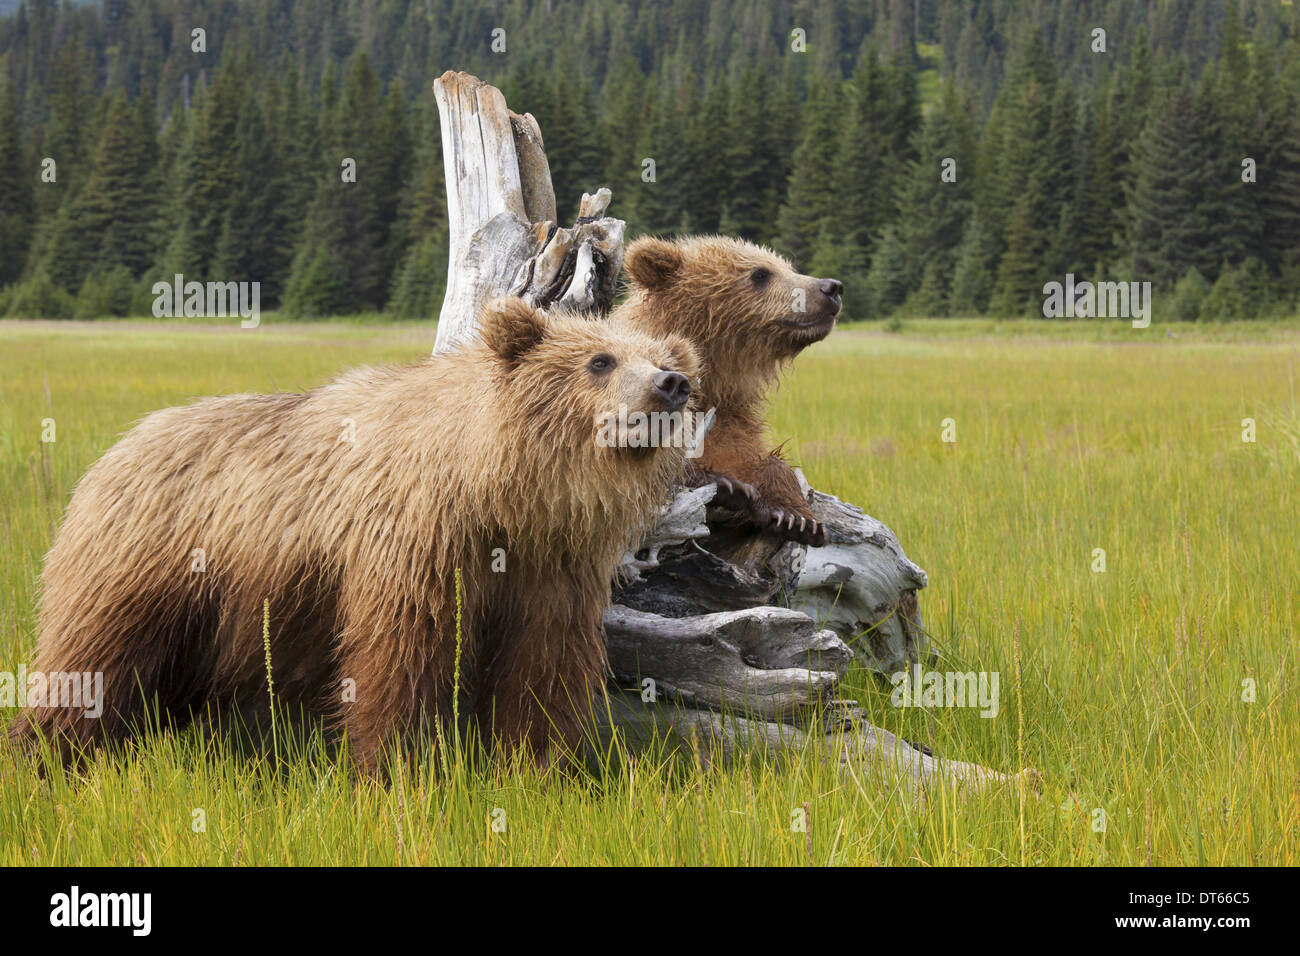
748,313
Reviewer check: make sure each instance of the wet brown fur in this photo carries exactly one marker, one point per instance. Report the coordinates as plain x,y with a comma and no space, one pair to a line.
703,288
356,544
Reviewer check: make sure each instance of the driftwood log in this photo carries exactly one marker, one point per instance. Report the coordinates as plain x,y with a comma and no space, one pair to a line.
722,637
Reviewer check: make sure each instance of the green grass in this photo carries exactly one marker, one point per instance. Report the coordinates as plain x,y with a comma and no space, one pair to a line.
1070,437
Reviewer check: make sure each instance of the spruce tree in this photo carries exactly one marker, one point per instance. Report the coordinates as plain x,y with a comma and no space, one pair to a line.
743,152
1059,167
934,211
620,128
1179,202
809,202
419,281
1279,185
17,203
69,131
110,222
710,178
864,182
656,202
1020,273
972,283
886,284
1090,237
211,172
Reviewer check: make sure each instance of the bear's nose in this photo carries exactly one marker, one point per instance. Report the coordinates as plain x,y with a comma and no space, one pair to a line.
831,288
673,387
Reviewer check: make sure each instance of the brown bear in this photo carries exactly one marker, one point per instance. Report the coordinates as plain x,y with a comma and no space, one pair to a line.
748,313
353,508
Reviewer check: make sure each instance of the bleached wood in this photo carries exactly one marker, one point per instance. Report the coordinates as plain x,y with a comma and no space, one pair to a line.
862,586
501,214
873,759
489,229
764,661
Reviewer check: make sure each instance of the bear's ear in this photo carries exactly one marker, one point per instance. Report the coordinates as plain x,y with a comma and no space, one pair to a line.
511,328
652,263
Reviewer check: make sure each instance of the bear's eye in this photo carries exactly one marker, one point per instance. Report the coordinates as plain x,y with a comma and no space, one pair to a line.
760,276
601,364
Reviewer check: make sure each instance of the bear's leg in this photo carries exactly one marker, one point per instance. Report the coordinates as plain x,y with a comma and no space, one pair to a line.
395,675
130,646
788,513
546,673
302,627
102,685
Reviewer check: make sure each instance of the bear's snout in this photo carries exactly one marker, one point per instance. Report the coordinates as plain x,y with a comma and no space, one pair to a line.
673,389
832,289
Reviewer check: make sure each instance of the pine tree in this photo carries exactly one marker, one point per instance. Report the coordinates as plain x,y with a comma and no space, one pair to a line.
1279,184
1178,204
809,202
394,162
619,126
320,281
1231,132
211,165
110,222
319,284
69,133
575,164
346,241
250,244
1188,298
864,182
1012,166
886,285
930,300
745,158
177,255
1236,294
418,283
934,211
1020,273
656,201
17,203
1128,114
972,283
710,179
780,137
1059,168
1090,237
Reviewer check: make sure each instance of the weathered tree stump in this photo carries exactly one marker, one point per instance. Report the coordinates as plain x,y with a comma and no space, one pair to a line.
501,209
732,640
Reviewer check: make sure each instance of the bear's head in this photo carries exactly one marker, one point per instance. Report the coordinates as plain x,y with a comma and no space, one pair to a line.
599,388
730,297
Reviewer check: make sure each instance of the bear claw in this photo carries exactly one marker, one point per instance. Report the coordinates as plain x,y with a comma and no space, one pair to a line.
795,527
734,495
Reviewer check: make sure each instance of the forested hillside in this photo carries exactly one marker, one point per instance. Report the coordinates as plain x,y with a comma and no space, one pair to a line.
137,148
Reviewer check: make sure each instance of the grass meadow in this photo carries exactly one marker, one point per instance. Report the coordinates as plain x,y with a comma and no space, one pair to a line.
1133,696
